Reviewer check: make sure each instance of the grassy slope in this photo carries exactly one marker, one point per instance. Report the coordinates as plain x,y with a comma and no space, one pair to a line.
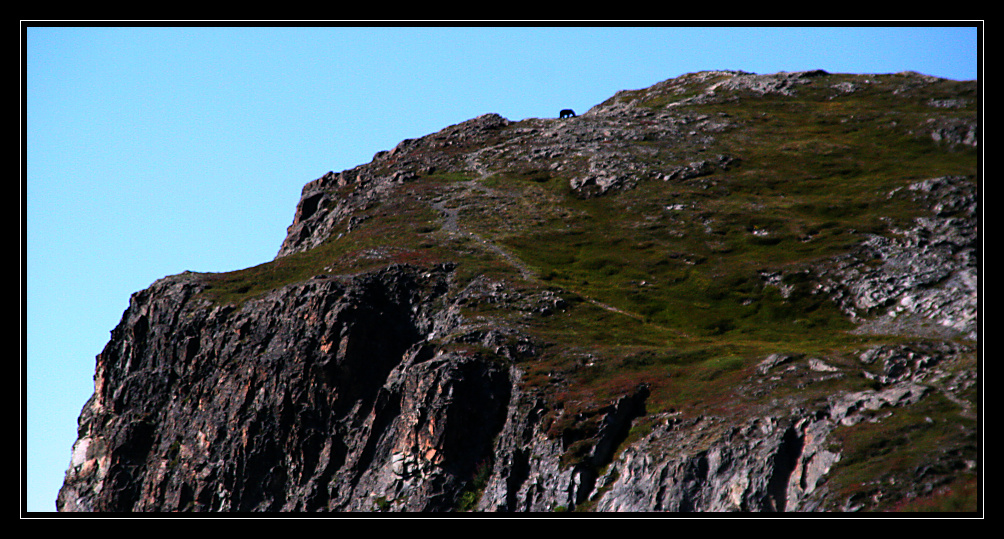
813,180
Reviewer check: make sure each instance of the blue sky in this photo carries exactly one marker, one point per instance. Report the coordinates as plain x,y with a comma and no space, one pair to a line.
150,151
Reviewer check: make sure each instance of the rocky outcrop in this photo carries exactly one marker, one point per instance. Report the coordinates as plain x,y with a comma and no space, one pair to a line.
258,408
768,464
331,395
925,277
771,462
417,386
336,196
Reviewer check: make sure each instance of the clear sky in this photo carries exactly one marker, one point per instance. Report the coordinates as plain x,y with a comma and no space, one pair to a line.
148,151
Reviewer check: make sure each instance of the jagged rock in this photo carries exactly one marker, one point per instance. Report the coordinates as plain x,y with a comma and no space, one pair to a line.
768,464
954,131
927,273
779,83
774,360
909,362
845,409
300,385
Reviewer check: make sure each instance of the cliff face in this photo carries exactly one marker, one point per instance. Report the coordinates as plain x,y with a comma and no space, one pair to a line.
726,292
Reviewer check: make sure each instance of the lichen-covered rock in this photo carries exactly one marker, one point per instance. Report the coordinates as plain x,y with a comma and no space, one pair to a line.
926,278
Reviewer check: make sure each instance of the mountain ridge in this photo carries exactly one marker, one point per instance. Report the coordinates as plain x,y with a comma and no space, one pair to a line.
724,292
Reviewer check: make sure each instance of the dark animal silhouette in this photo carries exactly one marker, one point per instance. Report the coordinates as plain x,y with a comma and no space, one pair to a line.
566,113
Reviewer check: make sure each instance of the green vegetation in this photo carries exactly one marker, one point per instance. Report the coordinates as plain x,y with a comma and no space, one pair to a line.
472,494
382,504
683,262
959,497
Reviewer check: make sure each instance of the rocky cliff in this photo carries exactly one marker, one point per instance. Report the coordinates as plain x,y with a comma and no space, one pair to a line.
725,292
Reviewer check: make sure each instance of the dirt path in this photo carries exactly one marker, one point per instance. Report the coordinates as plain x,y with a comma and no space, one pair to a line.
448,205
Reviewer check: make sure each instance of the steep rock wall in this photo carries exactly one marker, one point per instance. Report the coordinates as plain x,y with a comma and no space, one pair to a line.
265,406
